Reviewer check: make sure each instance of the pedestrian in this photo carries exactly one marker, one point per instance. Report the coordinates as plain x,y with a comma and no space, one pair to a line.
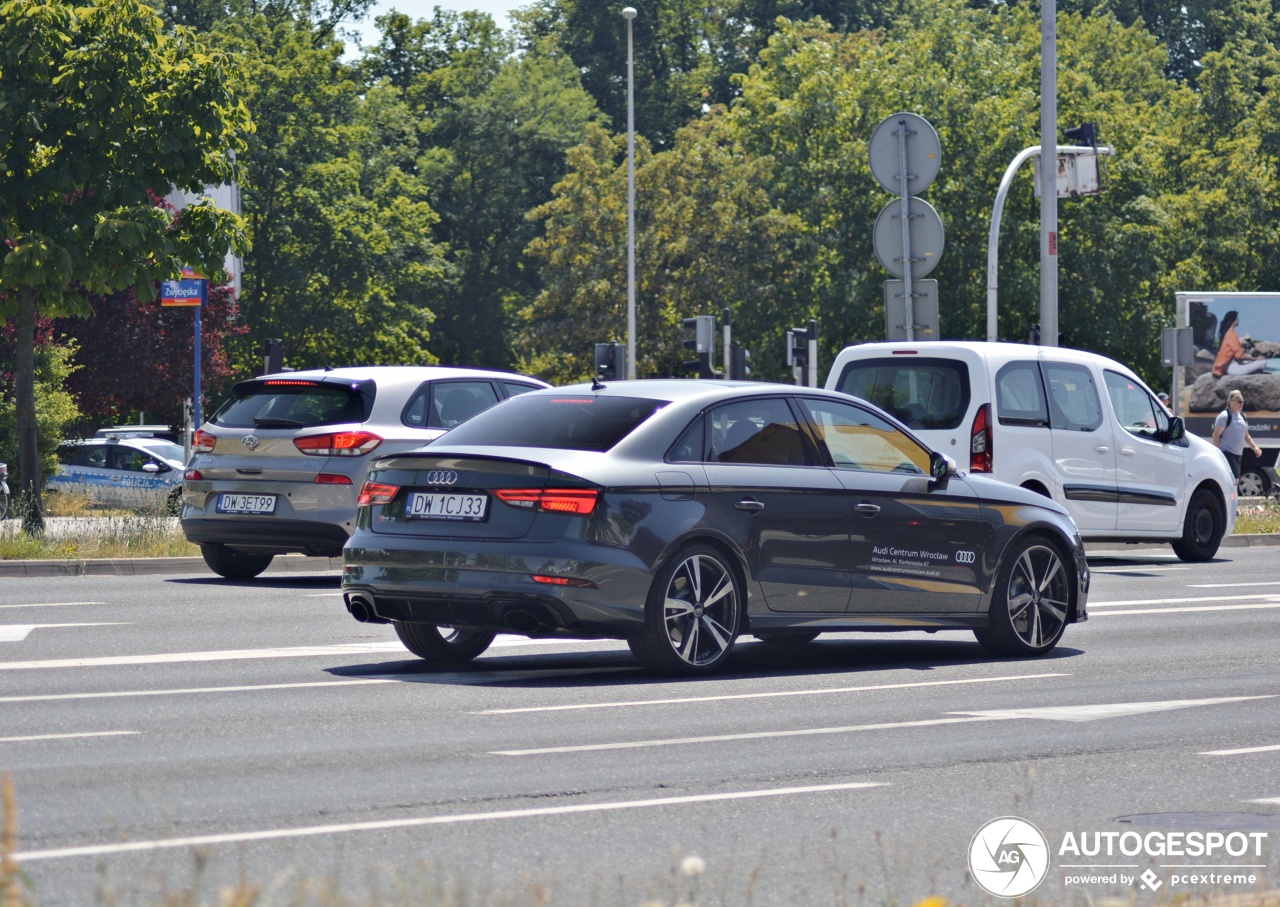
1231,432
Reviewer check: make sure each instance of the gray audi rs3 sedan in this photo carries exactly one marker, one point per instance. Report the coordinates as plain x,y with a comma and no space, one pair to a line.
681,514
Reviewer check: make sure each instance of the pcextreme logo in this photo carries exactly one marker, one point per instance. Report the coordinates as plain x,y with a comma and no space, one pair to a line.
1008,857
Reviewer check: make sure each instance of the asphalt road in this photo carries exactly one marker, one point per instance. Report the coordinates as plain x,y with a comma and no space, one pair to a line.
173,732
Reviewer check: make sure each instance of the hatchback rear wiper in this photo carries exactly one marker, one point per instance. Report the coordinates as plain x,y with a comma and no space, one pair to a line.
277,423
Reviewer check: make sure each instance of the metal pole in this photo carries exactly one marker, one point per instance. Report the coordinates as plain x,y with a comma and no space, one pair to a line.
629,13
195,402
904,187
1048,173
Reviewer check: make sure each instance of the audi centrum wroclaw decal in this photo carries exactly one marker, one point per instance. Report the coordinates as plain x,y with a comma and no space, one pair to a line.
919,561
1010,857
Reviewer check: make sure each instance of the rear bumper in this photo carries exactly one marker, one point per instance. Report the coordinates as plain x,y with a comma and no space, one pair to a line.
267,535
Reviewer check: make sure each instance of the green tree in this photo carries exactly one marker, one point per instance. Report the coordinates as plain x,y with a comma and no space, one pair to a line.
99,108
55,407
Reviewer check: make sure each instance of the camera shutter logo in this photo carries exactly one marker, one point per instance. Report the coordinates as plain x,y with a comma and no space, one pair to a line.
1008,857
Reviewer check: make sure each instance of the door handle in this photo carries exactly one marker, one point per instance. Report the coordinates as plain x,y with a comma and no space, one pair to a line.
1127,451
1102,448
867,507
749,505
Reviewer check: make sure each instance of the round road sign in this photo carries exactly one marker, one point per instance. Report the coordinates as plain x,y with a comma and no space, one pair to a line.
924,153
926,236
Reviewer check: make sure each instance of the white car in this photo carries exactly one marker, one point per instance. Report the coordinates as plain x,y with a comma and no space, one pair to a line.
130,470
1075,426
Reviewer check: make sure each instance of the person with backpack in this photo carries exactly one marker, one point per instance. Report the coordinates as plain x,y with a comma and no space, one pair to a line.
1231,432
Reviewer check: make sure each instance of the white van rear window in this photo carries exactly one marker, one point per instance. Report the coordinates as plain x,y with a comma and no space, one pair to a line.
920,392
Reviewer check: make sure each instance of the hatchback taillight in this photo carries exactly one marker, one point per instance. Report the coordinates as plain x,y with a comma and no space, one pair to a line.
338,444
980,446
372,493
579,501
203,442
192,475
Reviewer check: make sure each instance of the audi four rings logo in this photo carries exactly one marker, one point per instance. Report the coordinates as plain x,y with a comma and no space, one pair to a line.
250,441
965,557
442,477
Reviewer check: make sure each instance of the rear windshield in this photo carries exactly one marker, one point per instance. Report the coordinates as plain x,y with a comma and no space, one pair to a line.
920,392
285,403
568,422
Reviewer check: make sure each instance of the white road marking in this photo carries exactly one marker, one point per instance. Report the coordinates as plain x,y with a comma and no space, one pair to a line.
120,694
1268,596
18,632
722,738
1106,710
1241,752
67,736
1189,610
225,655
1228,585
771,695
98,850
50,605
1052,713
479,678
1267,800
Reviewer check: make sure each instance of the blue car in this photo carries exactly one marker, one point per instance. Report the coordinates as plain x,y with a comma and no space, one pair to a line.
134,472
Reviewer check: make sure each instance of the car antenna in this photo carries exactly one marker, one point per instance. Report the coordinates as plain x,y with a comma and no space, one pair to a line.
595,383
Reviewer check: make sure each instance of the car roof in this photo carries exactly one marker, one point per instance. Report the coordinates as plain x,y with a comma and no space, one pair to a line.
397,374
997,352
679,389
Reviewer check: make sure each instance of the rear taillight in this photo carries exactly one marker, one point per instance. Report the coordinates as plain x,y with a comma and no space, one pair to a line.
980,441
338,444
192,475
331,478
579,501
203,442
372,493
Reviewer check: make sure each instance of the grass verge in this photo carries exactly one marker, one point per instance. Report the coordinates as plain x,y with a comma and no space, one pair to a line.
90,532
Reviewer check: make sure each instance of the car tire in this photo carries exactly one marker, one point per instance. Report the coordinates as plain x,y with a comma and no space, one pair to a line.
230,564
692,616
1254,483
443,645
1202,529
1030,602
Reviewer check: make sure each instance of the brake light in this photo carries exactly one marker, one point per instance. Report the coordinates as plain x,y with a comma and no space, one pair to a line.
289,382
330,478
372,493
980,446
203,442
339,444
191,475
563,581
579,501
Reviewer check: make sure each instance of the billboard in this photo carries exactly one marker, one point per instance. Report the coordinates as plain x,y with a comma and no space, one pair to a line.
1236,337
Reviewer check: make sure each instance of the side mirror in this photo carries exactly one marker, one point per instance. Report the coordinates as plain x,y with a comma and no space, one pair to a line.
1177,428
941,466
150,467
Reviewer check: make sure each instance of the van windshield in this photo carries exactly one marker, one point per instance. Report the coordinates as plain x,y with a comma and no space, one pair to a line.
921,392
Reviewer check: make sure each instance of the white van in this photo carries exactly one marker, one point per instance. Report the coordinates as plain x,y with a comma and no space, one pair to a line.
1075,426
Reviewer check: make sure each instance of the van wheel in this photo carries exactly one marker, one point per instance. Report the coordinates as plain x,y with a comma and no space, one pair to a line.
231,564
1202,531
1254,483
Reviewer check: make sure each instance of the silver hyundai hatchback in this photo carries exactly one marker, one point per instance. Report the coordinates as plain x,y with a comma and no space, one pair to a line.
278,467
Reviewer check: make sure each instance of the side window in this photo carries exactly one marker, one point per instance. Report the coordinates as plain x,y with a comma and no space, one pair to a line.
858,439
757,431
1020,395
444,404
1074,404
512,388
1137,411
94,456
128,458
691,448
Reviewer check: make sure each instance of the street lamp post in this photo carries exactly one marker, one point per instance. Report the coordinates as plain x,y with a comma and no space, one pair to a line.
629,13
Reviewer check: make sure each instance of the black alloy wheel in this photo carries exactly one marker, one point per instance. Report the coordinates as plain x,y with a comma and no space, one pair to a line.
693,614
231,564
443,645
1202,531
1030,602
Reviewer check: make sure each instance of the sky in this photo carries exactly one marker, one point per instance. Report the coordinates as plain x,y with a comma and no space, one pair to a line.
422,9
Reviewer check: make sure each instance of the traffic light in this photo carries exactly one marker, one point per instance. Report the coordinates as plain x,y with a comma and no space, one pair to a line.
1084,134
1034,337
611,361
703,343
273,355
738,356
798,347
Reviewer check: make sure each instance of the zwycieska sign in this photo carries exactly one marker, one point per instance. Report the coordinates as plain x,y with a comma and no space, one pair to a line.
191,290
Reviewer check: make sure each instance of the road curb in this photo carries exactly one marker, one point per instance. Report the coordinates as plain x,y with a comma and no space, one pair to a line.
142,566
296,563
